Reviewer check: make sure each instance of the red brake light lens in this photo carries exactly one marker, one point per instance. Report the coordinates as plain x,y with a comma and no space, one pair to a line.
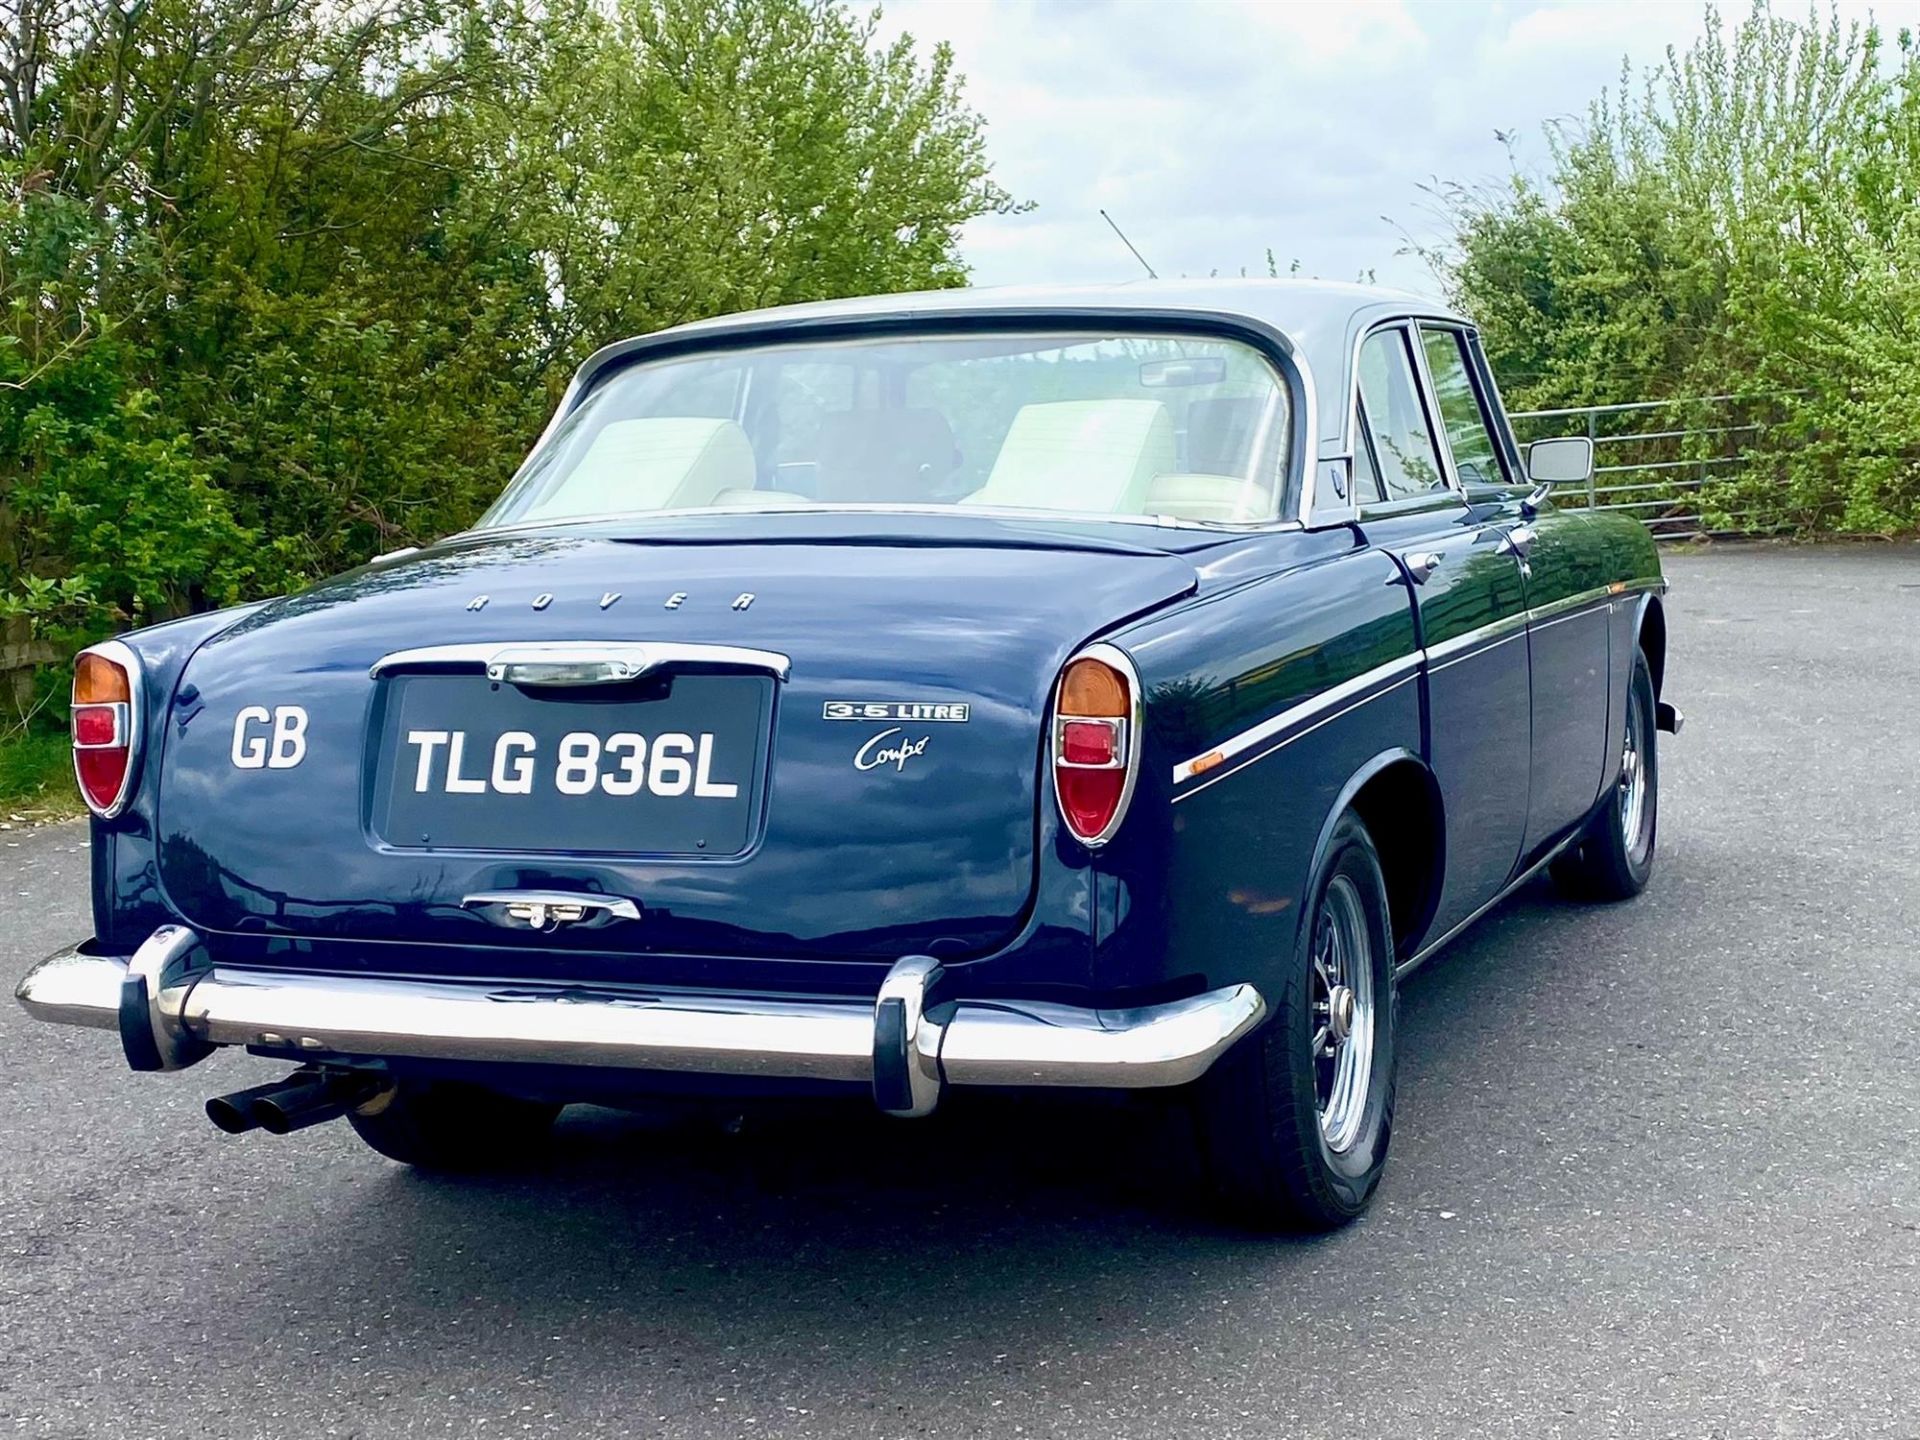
1093,745
103,728
1088,742
95,726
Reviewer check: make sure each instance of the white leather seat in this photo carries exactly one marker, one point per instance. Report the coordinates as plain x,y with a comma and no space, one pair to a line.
660,463
1220,498
1095,456
736,499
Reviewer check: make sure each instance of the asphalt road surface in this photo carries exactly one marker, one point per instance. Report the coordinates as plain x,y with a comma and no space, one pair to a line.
1654,1174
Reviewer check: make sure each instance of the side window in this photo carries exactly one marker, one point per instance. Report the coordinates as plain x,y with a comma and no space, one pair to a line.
1366,474
1403,447
1475,457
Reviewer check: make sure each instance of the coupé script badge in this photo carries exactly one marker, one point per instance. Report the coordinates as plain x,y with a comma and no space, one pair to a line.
872,755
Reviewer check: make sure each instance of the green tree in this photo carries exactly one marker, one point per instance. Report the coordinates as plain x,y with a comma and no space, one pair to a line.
285,283
1742,221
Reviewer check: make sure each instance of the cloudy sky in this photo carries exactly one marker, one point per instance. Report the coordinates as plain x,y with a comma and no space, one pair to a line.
1215,129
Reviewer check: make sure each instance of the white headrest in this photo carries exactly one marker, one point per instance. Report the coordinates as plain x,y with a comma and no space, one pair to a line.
661,463
1088,455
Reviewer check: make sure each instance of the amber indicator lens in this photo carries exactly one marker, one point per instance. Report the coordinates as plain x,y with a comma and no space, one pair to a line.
1092,688
98,681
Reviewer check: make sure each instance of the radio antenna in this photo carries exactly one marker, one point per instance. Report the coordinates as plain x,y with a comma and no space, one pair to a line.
1129,244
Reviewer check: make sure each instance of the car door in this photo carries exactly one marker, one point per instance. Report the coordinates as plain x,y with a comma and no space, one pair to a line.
1566,577
1471,605
1568,639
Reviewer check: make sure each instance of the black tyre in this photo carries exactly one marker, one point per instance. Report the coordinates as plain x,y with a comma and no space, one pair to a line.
1296,1120
445,1125
1613,859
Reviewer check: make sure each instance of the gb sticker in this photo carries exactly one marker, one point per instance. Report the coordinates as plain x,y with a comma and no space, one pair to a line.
269,739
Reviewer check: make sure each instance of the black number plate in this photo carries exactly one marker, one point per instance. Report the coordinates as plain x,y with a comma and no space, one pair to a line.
671,768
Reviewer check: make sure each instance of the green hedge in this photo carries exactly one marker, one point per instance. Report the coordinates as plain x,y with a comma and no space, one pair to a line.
288,283
1744,219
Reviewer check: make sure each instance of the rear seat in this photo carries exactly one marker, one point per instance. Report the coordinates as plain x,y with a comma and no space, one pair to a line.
1225,499
661,463
1094,456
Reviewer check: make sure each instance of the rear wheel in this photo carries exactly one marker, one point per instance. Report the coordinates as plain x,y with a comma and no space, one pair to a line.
447,1125
1297,1119
1613,859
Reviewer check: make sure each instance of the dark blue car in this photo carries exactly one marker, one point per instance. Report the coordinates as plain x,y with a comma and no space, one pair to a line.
1114,689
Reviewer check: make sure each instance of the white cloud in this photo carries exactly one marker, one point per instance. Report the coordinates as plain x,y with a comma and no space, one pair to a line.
1214,129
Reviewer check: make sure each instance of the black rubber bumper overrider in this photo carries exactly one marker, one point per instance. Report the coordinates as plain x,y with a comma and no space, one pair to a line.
892,1090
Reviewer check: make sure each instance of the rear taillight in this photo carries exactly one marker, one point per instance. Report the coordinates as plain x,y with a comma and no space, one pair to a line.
1096,722
106,726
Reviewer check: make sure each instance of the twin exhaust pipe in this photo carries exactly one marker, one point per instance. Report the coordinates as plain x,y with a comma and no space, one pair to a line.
305,1098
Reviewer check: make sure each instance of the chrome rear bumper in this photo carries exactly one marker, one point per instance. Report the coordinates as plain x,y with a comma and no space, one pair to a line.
171,1007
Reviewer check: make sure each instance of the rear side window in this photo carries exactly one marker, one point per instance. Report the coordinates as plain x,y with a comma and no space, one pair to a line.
1469,435
1404,452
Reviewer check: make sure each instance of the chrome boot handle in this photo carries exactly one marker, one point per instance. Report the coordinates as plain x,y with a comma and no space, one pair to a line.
548,910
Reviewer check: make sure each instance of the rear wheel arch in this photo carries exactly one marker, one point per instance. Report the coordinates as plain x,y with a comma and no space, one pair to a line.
1396,797
1652,632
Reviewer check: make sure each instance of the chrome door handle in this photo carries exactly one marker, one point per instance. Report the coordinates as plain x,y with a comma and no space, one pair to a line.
1519,541
1422,563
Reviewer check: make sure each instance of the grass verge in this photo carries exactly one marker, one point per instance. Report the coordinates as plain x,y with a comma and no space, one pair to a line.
36,777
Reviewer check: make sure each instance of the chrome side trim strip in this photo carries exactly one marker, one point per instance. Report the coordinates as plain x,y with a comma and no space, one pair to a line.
1447,652
634,659
1332,698
1427,951
1568,603
1510,627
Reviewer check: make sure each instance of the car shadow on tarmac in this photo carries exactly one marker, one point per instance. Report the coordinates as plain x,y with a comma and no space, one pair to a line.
997,1211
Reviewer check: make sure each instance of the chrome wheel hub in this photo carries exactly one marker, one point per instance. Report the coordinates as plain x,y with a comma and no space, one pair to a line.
1632,787
1341,1015
1340,1012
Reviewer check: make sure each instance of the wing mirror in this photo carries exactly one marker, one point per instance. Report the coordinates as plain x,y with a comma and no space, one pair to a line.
1563,460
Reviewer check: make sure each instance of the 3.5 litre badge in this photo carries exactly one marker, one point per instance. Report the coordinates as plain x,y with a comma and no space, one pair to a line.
916,711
